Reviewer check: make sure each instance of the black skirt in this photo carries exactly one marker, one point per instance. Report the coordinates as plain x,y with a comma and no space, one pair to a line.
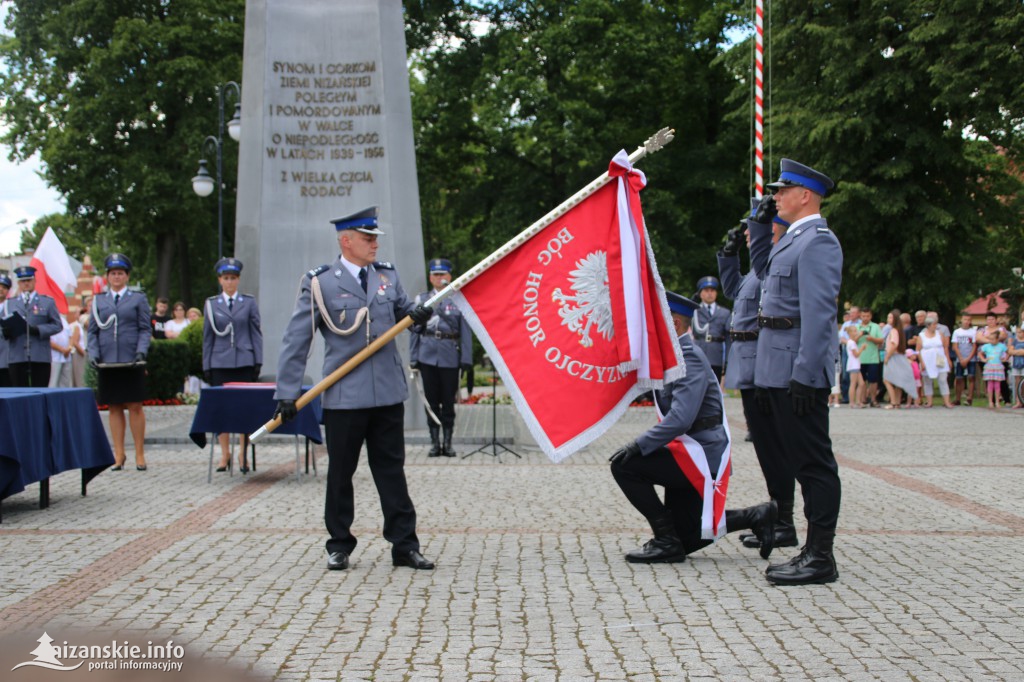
227,375
120,385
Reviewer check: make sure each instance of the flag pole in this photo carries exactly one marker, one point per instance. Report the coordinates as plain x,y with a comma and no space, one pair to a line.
652,144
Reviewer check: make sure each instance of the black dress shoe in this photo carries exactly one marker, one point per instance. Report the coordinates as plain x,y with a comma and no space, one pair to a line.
658,550
412,559
243,469
337,561
811,567
785,536
221,470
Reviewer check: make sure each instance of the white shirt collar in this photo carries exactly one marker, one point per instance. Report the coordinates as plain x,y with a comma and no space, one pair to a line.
120,292
227,298
353,268
805,219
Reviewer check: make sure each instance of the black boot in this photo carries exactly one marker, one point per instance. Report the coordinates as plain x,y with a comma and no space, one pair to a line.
446,449
760,519
664,548
815,565
785,531
435,439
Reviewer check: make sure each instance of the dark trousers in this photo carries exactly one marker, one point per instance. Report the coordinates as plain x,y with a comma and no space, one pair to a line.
844,376
770,451
382,429
440,385
637,478
29,374
808,453
5,378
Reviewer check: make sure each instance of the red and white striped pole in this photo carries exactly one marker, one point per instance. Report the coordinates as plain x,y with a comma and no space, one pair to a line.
759,98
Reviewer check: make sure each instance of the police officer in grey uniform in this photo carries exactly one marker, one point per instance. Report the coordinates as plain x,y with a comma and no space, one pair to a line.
711,325
232,344
691,405
796,354
5,287
745,291
32,319
352,302
438,349
119,336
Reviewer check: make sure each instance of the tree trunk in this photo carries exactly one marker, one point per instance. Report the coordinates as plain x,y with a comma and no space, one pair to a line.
165,242
185,272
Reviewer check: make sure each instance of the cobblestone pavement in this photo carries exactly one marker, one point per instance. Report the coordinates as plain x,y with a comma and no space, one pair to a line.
530,581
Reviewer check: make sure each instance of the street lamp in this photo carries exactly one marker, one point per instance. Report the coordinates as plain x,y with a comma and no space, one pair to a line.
203,183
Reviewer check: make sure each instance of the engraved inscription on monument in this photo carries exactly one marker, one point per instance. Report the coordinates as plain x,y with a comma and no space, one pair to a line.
326,115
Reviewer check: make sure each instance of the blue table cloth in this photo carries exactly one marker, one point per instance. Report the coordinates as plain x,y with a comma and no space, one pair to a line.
46,431
243,408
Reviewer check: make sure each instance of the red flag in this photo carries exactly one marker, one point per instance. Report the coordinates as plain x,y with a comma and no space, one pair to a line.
54,275
575,318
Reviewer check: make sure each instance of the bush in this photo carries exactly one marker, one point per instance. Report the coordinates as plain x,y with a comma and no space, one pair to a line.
167,365
193,336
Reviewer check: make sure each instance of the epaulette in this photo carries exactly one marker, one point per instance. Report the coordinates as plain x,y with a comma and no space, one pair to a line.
824,229
317,271
384,266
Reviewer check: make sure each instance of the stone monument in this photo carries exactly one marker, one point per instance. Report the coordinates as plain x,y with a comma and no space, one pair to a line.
326,131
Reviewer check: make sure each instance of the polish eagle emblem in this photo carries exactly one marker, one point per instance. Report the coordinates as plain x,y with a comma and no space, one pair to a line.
590,305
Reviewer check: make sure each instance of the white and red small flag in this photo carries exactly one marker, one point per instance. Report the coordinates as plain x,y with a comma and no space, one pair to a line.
575,318
54,275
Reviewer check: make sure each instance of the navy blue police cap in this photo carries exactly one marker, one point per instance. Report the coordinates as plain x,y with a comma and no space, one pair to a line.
364,221
780,221
118,261
5,281
795,174
439,265
25,272
708,282
680,305
228,266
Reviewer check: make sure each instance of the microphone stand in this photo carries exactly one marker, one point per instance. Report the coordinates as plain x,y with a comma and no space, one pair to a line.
494,444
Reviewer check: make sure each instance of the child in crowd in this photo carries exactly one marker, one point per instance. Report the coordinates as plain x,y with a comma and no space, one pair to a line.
1016,353
914,399
857,385
993,354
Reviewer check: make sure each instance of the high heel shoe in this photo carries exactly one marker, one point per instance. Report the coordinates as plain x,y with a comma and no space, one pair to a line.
117,467
243,469
140,467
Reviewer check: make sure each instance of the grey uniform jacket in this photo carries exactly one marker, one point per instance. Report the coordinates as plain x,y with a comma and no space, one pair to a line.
242,344
428,344
745,291
802,279
717,327
380,379
695,396
128,328
4,351
40,312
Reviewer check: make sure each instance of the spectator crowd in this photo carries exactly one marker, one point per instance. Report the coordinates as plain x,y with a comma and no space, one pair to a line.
904,361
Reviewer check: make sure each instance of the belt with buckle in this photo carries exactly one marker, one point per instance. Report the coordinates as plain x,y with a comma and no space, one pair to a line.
443,335
713,339
706,423
778,322
744,336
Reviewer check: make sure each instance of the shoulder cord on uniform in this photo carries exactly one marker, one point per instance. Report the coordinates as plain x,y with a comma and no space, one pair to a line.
318,296
111,320
696,322
230,329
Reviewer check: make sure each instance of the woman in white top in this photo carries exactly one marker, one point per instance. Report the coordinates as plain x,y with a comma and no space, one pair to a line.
897,373
173,326
78,357
933,349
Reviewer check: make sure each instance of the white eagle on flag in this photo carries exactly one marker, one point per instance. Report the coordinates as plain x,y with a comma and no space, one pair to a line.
593,299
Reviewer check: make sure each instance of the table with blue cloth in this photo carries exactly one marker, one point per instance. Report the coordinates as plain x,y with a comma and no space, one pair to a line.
244,408
46,431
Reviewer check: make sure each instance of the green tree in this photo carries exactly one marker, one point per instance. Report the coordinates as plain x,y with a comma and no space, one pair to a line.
513,117
914,108
117,97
